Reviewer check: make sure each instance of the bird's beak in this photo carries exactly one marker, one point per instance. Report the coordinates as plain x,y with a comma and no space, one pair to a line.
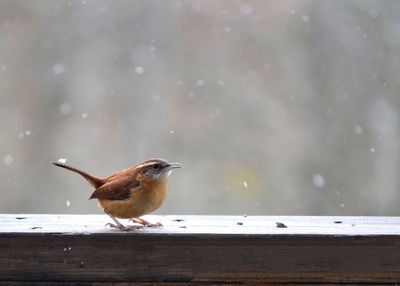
174,166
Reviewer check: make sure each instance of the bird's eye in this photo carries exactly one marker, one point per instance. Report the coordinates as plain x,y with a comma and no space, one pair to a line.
156,166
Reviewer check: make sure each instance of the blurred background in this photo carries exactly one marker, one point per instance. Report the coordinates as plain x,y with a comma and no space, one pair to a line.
273,107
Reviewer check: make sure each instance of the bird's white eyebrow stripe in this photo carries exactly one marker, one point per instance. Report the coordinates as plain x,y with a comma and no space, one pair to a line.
146,164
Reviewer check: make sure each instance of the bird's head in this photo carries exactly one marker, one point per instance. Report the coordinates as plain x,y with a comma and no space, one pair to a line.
157,169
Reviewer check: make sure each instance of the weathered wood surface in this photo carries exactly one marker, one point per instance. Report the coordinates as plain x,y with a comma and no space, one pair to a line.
200,249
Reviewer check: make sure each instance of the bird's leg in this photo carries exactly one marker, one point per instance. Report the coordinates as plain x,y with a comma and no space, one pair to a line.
145,222
120,226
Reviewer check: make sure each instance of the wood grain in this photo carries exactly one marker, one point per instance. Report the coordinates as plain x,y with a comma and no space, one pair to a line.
201,249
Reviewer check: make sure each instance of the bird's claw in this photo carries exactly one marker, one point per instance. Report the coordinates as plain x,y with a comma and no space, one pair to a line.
124,228
145,222
157,224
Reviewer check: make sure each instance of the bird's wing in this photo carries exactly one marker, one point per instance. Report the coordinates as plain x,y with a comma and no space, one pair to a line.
116,189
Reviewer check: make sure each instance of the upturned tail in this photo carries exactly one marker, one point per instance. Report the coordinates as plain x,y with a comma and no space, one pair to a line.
94,181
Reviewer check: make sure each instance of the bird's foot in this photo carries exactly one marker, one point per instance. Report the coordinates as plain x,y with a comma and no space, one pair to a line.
156,225
124,228
145,223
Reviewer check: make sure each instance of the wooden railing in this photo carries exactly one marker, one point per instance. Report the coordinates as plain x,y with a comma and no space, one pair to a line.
200,250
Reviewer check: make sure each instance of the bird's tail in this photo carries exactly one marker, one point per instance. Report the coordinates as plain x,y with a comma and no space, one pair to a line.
94,181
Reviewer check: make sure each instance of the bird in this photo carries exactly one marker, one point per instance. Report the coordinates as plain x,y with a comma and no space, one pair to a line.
132,192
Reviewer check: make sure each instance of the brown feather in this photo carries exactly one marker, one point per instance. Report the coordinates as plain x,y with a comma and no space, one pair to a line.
117,187
143,200
94,181
132,192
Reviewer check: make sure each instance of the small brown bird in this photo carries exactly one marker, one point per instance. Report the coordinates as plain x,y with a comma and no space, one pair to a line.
132,192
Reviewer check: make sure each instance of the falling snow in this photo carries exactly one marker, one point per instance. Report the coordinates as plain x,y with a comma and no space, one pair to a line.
139,70
305,18
358,129
58,69
246,9
8,159
199,82
246,85
22,134
318,181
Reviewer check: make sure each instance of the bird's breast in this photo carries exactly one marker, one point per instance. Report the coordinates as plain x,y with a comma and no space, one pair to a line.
144,199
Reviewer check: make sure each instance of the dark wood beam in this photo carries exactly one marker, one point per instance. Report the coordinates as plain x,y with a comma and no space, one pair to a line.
201,249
